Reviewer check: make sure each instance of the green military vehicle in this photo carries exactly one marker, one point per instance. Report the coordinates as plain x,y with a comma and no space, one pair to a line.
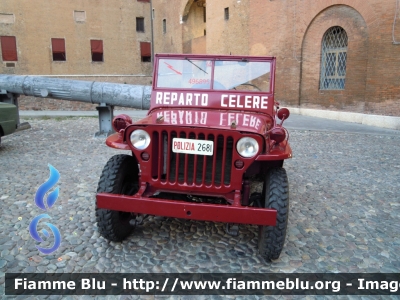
8,119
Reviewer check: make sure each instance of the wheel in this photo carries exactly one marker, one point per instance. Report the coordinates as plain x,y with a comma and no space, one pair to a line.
119,176
276,196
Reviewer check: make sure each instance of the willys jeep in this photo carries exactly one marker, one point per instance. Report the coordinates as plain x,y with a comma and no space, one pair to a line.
211,148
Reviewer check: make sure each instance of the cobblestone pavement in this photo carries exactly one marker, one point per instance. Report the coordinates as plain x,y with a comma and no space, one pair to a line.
344,210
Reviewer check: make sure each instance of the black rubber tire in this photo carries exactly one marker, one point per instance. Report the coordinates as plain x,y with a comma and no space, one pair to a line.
119,176
276,195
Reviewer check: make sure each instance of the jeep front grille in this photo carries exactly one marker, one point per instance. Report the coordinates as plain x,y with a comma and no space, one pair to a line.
191,169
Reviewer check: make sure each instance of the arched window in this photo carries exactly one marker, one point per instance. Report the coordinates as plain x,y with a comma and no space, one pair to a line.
333,59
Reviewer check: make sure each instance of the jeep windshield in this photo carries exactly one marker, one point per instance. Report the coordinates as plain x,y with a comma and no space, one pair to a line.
217,74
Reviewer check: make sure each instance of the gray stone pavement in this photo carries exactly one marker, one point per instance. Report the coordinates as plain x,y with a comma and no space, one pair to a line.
344,209
300,122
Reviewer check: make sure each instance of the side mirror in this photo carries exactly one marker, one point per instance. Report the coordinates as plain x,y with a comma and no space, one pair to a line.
283,114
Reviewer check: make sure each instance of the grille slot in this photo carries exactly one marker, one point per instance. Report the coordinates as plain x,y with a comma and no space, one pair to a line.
192,169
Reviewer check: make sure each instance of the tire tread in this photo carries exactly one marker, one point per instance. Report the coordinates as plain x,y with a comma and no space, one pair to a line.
272,238
108,221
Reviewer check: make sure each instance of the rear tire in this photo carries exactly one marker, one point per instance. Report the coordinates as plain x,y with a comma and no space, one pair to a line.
276,195
119,176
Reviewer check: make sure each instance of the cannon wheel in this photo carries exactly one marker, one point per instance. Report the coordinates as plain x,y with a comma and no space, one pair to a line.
276,196
119,176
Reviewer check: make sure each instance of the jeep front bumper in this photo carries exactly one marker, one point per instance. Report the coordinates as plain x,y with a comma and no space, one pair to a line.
187,210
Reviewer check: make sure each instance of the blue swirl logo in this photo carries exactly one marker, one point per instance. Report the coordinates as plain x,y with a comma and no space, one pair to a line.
35,235
50,200
45,187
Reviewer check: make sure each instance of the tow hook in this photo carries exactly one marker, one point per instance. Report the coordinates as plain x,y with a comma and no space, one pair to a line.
232,229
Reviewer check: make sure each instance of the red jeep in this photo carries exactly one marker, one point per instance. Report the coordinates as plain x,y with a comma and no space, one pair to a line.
211,148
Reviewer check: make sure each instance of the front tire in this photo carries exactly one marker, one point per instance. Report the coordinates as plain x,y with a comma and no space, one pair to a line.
276,195
119,176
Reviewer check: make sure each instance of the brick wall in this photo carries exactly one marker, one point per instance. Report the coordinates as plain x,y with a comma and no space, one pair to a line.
292,31
37,22
357,51
172,11
185,22
228,36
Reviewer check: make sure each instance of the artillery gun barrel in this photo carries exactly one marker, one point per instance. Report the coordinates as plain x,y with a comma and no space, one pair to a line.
116,94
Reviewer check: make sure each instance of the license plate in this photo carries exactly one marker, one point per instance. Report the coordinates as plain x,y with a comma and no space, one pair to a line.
190,146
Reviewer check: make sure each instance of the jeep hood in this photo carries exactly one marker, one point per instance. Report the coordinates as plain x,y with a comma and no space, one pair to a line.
216,119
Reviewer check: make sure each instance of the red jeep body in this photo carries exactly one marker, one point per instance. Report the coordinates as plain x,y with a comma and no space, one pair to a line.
202,106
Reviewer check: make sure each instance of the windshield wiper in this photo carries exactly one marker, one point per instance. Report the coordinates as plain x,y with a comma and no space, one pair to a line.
195,65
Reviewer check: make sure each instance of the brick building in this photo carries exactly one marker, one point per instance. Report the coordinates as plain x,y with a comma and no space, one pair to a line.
86,40
331,54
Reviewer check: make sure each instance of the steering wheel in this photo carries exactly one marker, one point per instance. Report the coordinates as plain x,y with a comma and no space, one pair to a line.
217,86
248,84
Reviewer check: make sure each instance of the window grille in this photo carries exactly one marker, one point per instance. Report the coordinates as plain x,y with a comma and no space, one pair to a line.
227,13
164,24
334,59
140,24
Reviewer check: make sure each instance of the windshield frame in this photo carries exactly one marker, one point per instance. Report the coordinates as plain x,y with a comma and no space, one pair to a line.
214,59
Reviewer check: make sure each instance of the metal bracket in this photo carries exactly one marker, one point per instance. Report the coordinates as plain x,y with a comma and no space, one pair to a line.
232,229
106,115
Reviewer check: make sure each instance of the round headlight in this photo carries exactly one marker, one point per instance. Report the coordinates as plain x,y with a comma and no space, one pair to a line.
247,147
140,139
